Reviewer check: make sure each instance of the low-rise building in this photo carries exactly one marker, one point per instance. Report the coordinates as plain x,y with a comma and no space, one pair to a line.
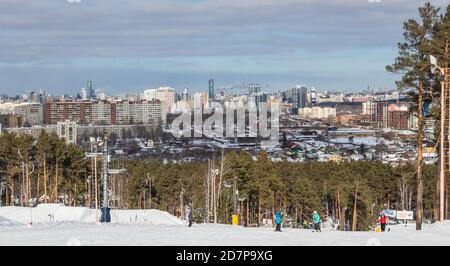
317,112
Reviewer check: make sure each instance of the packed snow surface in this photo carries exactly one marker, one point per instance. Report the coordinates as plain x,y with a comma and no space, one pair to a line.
152,227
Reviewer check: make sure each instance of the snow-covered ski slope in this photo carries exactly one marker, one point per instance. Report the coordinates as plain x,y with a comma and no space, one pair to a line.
76,226
62,234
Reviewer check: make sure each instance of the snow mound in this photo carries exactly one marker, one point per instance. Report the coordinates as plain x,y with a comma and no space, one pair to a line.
57,213
153,217
7,222
60,213
15,214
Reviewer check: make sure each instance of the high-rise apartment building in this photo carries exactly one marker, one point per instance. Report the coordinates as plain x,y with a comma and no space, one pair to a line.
299,96
185,95
150,94
254,88
105,112
139,112
83,94
90,90
380,114
31,113
77,111
101,113
67,130
212,92
398,120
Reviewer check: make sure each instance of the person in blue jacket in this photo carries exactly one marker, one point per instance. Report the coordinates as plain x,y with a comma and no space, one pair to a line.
316,221
278,221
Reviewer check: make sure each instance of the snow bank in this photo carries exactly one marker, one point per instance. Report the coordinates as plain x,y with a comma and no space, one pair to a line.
154,217
7,222
56,213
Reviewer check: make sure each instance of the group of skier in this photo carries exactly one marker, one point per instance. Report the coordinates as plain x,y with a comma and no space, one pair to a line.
315,218
382,220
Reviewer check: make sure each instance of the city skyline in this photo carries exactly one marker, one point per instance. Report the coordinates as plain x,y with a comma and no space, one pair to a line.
125,47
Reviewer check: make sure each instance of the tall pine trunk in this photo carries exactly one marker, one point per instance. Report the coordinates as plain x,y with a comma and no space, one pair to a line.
446,82
341,213
419,201
259,209
38,186
27,184
355,215
45,179
56,181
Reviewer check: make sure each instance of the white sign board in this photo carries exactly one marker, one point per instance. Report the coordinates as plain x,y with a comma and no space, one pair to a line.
405,215
389,213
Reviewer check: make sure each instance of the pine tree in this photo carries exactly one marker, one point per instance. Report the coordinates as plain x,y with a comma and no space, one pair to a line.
413,64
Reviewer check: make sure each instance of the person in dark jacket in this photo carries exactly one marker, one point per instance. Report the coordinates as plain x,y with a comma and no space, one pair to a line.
190,218
278,221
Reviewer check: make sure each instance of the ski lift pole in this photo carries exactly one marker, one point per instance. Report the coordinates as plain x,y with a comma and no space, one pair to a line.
106,218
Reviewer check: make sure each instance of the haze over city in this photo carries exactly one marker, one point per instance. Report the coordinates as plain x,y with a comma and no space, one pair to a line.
128,46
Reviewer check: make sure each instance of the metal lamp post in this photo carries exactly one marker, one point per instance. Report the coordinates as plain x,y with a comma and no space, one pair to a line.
105,218
95,143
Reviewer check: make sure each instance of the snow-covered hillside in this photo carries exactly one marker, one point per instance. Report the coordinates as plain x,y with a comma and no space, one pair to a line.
76,226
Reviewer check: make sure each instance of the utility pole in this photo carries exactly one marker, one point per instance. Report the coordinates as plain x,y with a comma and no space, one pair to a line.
105,206
95,144
96,189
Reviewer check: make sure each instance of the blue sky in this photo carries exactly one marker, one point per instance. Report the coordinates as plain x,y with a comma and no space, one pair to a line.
126,46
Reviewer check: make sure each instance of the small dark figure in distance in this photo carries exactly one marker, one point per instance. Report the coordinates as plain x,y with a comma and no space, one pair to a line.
190,218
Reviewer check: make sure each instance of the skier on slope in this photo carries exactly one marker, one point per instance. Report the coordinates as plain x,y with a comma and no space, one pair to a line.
383,221
190,218
316,221
278,221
